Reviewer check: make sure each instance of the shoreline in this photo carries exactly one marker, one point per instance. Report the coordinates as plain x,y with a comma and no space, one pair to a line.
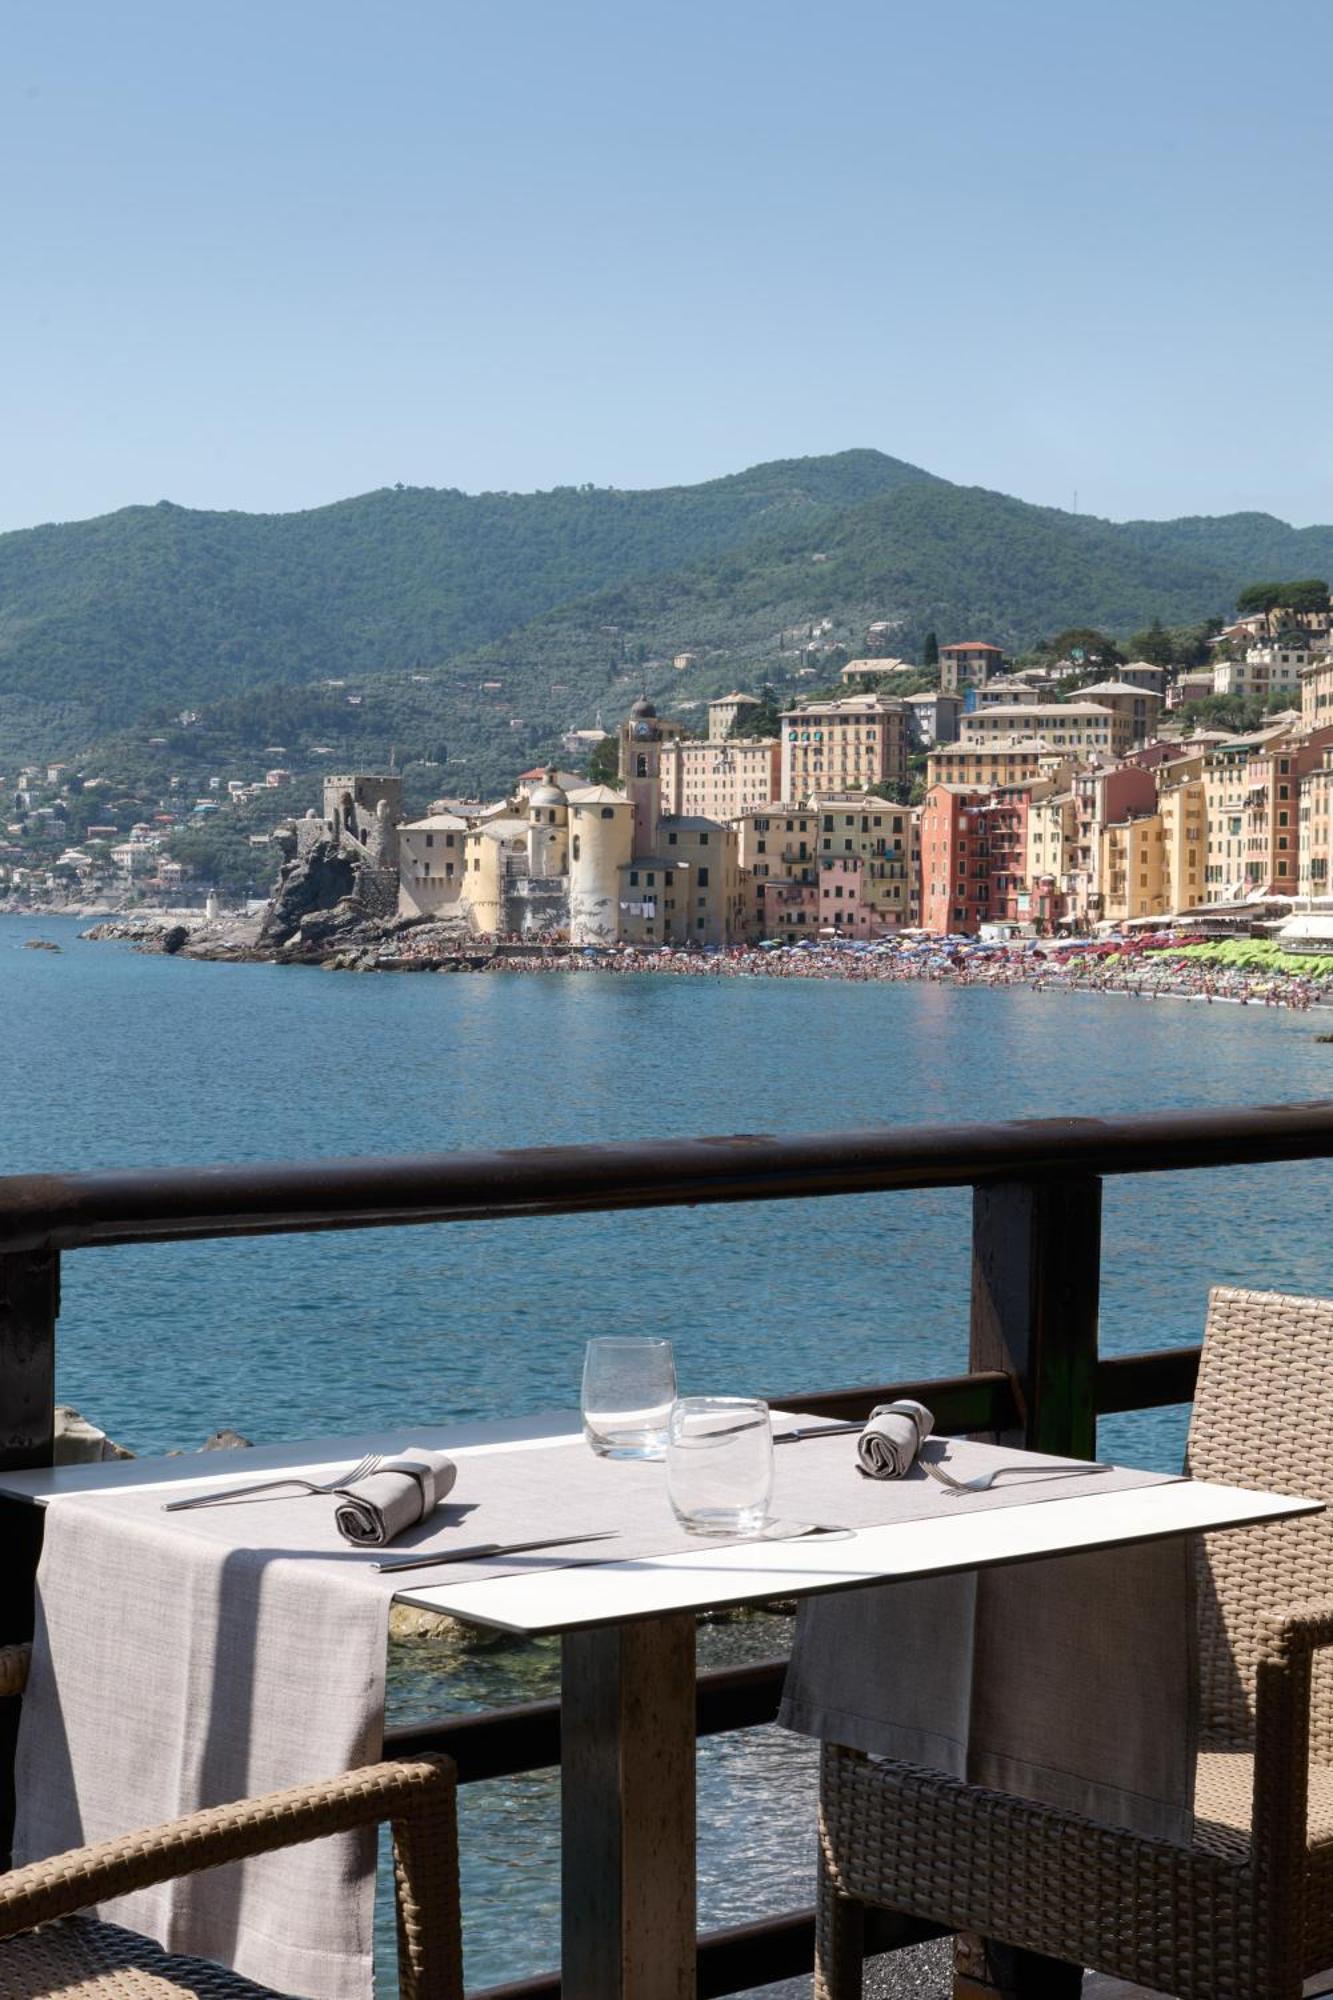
1136,973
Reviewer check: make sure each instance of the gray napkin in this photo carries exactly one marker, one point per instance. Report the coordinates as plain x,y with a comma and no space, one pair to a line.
890,1442
394,1497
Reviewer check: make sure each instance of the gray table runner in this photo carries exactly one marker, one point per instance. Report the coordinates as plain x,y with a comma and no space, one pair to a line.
191,1659
1067,1680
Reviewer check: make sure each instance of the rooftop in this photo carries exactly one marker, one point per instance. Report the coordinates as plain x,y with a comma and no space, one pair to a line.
596,795
1025,711
865,704
1117,687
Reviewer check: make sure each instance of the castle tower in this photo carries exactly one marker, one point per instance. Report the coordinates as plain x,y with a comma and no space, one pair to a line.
601,840
548,831
641,769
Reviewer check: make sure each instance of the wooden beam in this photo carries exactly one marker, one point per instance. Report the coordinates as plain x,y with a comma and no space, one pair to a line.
627,1804
29,1302
1036,1282
1036,1262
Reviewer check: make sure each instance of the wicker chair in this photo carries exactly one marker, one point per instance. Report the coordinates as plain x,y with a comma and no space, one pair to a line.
1246,1911
47,1948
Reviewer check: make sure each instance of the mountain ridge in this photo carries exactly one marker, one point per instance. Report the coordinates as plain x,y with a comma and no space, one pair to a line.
109,627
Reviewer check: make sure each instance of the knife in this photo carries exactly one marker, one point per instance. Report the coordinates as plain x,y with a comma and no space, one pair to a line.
480,1551
815,1431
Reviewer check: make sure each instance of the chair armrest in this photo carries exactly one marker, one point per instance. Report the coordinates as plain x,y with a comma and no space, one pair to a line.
1288,1641
14,1663
1301,1628
404,1791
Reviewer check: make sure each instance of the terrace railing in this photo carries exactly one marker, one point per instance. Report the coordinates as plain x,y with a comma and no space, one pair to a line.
1035,1372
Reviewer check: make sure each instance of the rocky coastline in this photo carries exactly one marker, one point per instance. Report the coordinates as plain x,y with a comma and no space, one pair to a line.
317,917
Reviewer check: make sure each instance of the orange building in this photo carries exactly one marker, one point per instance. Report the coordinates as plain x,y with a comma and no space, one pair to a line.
955,862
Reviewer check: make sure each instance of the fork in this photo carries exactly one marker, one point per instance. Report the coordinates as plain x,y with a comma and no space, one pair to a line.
986,1480
360,1470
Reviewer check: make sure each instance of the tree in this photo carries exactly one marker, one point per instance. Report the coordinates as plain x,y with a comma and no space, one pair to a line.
1155,645
604,762
1086,648
1301,596
765,720
930,651
1258,597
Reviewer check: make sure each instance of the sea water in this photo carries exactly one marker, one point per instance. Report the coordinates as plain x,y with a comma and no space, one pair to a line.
115,1058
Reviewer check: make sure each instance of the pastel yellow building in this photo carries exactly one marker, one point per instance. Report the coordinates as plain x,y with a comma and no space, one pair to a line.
1253,787
1140,706
720,780
778,849
1132,870
1224,791
724,712
1051,834
1078,728
1317,692
848,743
688,892
1316,824
493,854
883,838
432,866
996,761
1182,801
601,840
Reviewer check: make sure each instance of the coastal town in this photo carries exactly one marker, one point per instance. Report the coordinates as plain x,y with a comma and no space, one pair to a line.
999,804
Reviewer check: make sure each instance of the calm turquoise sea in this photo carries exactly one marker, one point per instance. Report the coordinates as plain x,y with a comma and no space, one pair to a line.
112,1058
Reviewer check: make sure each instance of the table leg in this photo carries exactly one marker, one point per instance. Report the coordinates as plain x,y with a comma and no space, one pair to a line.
627,1811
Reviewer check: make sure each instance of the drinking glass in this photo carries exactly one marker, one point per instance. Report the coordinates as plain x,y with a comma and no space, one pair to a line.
720,1464
629,1386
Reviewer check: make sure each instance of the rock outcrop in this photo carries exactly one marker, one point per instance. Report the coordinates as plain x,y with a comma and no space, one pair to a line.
315,880
80,1443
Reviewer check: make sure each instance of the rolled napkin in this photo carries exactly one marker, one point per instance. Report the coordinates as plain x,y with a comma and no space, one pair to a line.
394,1497
889,1444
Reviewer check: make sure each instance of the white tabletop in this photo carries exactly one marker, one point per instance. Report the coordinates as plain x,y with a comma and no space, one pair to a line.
572,1598
564,1597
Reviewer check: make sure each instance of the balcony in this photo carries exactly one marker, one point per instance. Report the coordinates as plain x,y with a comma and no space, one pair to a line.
1034,1373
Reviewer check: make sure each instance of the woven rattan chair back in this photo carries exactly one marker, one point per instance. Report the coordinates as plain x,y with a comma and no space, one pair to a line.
1263,1417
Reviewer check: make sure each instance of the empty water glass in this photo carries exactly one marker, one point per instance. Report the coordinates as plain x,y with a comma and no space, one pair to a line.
720,1464
629,1386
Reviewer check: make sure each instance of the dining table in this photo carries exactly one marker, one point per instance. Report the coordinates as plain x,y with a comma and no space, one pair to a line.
625,1611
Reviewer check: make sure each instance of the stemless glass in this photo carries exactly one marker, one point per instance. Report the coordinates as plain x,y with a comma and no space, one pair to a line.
629,1386
720,1464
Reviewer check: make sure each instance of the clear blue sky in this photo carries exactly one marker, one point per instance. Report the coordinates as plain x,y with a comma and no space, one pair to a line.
267,255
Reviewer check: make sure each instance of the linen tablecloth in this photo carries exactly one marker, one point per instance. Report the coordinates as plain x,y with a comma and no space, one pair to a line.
191,1659
1068,1680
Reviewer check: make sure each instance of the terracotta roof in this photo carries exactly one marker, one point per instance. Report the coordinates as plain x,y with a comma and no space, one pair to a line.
972,646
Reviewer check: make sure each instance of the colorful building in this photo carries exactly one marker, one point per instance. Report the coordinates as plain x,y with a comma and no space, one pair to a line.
851,742
969,663
720,779
1078,728
955,865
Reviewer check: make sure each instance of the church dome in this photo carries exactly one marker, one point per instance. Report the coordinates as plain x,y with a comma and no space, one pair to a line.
548,793
642,709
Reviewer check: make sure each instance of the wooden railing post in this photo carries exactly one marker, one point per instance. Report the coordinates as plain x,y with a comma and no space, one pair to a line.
29,1303
1036,1270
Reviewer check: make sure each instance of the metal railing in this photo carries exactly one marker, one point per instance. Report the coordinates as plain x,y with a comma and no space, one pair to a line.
1035,1375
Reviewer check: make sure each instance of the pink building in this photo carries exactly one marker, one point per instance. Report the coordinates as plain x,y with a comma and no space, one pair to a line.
840,905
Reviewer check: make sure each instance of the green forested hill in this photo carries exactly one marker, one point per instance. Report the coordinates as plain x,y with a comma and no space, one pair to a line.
569,600
164,603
